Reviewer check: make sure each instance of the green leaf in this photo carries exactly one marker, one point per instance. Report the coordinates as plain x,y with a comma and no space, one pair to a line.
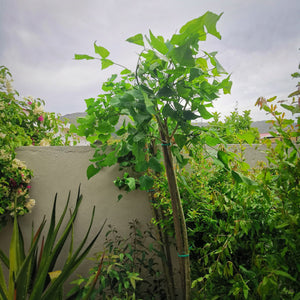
180,140
91,171
83,56
136,39
224,158
111,159
158,44
101,51
226,85
241,178
165,91
141,166
155,165
237,177
146,182
168,111
183,55
130,182
105,63
210,21
202,63
104,127
289,107
195,73
183,91
284,274
205,114
189,115
212,141
249,137
149,105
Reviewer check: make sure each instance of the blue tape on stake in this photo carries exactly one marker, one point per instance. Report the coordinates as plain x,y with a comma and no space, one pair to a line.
183,255
169,144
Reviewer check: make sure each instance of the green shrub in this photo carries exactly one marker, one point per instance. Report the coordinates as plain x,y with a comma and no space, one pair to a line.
129,268
23,122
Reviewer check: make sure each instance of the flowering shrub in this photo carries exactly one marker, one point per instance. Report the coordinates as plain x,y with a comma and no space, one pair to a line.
23,122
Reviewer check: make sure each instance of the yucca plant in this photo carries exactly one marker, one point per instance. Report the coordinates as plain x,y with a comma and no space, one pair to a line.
32,275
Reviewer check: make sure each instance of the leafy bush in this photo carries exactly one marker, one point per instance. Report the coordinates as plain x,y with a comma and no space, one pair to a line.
127,269
23,122
243,234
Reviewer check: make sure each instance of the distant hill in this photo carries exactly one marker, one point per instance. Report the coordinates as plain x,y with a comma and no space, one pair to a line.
72,118
262,126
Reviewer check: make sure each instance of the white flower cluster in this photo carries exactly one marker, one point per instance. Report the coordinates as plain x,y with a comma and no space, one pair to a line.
5,155
30,204
38,110
44,142
16,163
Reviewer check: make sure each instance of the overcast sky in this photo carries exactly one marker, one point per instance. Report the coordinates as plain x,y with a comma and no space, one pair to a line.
38,39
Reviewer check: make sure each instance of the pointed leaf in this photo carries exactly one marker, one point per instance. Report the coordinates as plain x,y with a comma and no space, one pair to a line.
168,111
136,39
180,140
189,115
224,158
83,56
105,63
183,55
212,141
91,171
101,51
158,44
146,182
155,165
205,114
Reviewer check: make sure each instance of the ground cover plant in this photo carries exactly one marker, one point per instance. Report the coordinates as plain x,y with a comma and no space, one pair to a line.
174,82
23,122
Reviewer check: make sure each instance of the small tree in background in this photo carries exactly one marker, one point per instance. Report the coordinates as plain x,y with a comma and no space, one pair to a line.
174,83
236,128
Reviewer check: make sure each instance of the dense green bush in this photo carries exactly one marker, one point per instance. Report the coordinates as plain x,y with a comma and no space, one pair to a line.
244,236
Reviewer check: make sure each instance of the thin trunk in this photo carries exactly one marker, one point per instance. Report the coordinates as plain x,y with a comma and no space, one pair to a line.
165,249
178,217
163,239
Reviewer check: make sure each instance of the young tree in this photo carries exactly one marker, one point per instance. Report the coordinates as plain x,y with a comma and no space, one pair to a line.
236,128
174,82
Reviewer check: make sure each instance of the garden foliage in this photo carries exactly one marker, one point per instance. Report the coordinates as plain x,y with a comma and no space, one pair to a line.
174,83
23,122
244,236
129,268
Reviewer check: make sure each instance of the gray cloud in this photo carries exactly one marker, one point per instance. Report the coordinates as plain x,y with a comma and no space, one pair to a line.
259,46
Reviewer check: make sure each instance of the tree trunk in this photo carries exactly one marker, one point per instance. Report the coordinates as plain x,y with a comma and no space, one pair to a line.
178,217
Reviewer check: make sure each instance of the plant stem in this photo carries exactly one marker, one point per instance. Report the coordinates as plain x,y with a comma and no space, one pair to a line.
178,217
